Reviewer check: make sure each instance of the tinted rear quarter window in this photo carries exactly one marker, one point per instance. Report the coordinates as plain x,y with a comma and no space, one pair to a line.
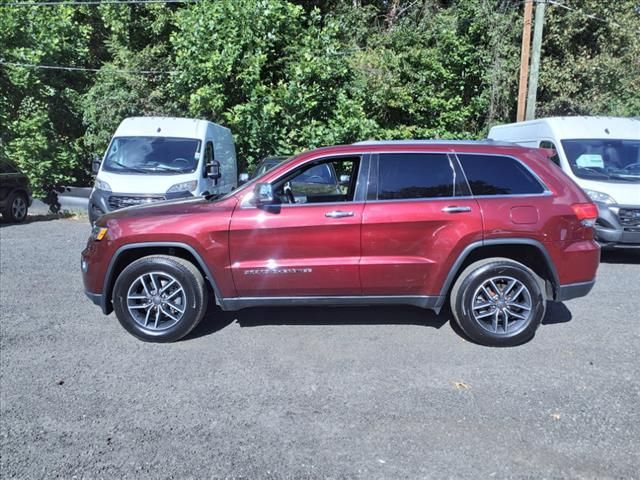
418,175
498,175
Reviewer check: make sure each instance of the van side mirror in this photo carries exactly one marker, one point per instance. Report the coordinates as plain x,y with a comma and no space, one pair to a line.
243,178
95,165
263,194
213,170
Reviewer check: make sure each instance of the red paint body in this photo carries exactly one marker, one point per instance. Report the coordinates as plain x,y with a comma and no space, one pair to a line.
386,248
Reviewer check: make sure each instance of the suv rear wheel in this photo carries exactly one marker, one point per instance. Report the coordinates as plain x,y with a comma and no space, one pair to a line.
160,298
498,302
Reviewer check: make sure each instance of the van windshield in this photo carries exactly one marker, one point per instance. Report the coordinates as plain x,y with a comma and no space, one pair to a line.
604,160
157,155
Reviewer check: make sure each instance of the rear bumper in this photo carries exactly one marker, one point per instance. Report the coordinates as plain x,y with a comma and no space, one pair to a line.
574,290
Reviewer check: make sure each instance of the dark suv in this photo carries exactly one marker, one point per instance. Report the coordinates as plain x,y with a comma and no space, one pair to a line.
15,194
494,229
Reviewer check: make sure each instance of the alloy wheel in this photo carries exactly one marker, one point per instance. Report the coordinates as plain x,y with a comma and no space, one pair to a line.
156,301
19,208
502,305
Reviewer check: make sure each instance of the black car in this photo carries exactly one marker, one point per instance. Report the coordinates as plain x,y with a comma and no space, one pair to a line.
15,194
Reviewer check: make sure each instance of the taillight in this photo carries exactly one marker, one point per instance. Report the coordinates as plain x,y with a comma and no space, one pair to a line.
587,213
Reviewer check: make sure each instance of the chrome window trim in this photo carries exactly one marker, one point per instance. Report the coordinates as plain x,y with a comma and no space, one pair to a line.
374,157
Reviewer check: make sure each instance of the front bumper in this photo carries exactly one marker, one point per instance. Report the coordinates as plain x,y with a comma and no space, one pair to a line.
618,226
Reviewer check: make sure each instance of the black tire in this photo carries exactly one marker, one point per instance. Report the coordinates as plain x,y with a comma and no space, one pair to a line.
468,289
17,208
194,299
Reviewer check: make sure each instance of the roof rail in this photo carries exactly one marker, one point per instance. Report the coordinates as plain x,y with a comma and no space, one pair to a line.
434,142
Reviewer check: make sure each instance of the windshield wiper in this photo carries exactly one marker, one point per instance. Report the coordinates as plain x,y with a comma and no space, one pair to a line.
592,170
165,168
628,178
127,168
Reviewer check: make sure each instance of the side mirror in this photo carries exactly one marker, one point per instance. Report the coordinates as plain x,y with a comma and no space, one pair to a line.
243,178
213,170
95,165
263,194
345,179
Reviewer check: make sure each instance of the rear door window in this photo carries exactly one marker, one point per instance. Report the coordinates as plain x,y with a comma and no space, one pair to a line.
419,175
498,175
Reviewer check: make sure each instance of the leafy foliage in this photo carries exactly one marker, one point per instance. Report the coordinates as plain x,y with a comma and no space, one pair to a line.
289,75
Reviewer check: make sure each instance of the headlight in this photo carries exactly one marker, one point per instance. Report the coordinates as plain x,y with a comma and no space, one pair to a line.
600,197
183,187
98,233
102,185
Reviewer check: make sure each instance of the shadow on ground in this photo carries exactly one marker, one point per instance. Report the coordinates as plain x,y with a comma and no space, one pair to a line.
37,218
627,255
215,319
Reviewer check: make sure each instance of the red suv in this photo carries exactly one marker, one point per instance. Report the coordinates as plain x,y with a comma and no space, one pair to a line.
495,229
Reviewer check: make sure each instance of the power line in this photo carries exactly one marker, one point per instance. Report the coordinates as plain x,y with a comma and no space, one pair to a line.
86,69
588,15
91,3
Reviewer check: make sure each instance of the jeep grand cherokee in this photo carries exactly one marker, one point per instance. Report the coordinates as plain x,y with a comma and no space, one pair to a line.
494,229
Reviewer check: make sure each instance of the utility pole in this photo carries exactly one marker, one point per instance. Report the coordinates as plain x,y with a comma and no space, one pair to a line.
524,59
535,60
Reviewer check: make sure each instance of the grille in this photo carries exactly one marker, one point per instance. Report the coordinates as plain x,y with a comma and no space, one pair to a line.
118,201
629,217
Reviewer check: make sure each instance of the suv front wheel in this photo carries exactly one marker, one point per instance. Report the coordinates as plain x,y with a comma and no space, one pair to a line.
160,298
498,302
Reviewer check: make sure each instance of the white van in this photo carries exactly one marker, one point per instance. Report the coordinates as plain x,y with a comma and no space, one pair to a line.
602,155
160,158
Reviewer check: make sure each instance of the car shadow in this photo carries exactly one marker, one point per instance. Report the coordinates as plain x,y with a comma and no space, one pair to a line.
557,312
37,218
627,255
216,319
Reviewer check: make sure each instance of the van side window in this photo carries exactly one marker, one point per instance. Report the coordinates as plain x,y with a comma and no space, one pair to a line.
549,145
498,175
418,175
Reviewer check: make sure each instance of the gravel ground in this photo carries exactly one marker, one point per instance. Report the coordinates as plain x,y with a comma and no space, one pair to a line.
307,393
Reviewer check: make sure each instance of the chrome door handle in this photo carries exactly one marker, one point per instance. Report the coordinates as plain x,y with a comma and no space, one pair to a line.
338,214
453,209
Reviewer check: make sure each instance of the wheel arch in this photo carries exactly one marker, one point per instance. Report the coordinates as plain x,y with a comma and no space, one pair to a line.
529,252
134,251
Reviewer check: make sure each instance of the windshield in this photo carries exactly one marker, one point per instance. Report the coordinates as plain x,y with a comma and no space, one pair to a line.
157,155
604,160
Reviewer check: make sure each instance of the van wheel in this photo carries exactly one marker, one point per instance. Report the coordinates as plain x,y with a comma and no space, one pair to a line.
498,302
160,298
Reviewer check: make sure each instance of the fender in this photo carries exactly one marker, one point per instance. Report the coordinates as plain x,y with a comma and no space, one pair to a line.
499,241
105,303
